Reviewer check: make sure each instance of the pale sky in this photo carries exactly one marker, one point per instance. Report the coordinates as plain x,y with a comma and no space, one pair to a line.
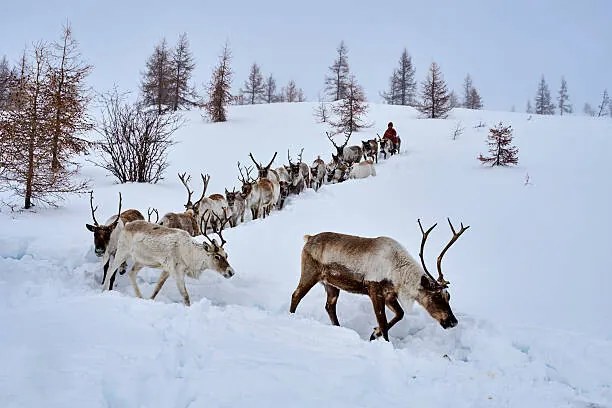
505,45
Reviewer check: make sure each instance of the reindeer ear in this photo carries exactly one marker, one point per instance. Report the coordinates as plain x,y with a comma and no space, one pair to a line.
207,247
90,227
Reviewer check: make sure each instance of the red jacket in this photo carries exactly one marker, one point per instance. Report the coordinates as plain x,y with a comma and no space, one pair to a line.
391,134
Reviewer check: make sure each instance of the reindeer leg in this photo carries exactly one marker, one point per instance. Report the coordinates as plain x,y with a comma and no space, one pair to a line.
180,283
160,282
396,308
109,277
332,298
378,303
132,274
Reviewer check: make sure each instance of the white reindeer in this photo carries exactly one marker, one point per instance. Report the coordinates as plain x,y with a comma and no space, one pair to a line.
378,267
362,170
171,250
215,204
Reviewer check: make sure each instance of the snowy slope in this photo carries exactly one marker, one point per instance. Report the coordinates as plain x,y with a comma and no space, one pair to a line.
528,279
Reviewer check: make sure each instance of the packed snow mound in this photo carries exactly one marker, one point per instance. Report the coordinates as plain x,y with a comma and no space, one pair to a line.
528,279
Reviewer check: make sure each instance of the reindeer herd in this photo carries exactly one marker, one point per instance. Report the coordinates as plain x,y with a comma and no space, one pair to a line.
377,267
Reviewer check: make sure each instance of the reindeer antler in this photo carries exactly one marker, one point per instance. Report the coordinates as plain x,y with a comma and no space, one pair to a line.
289,157
272,161
456,235
254,161
150,212
118,212
217,230
93,210
185,182
347,139
205,180
423,239
241,178
300,155
329,136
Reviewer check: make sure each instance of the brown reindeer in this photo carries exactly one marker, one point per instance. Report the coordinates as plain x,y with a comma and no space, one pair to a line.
269,185
370,149
378,267
187,221
105,236
351,154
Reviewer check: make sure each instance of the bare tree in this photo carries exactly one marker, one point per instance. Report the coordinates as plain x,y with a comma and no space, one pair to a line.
219,88
453,100
336,82
588,109
604,105
270,92
402,86
254,88
157,79
459,129
471,97
70,98
291,93
322,111
6,75
529,108
435,98
26,135
182,93
134,139
543,101
563,98
501,152
349,112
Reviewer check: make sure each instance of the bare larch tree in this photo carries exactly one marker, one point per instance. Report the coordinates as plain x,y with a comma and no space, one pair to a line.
348,113
157,79
70,97
219,88
26,134
402,85
543,101
291,93
435,98
336,82
254,89
471,97
604,105
270,94
563,99
182,93
501,151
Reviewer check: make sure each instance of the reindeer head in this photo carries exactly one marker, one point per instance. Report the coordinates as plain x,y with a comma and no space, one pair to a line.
231,197
432,294
366,146
247,181
102,233
263,171
294,168
339,149
217,257
284,189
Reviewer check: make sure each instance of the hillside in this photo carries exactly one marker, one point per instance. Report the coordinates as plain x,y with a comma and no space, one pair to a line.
529,279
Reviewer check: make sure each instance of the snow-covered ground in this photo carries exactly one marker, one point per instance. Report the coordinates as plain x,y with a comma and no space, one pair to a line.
529,279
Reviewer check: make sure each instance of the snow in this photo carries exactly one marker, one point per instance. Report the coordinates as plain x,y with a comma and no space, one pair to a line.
529,279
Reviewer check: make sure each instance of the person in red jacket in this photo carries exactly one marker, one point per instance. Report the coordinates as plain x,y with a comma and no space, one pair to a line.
391,134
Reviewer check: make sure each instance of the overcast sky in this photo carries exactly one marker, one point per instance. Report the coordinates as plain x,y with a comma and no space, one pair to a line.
505,45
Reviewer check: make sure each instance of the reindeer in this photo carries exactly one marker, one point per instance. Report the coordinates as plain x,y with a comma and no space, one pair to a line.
105,236
370,149
378,267
265,173
236,206
351,154
215,203
250,191
337,170
173,251
362,170
297,182
318,172
285,190
387,147
187,221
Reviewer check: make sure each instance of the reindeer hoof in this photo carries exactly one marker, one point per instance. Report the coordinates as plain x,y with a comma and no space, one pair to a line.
375,334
